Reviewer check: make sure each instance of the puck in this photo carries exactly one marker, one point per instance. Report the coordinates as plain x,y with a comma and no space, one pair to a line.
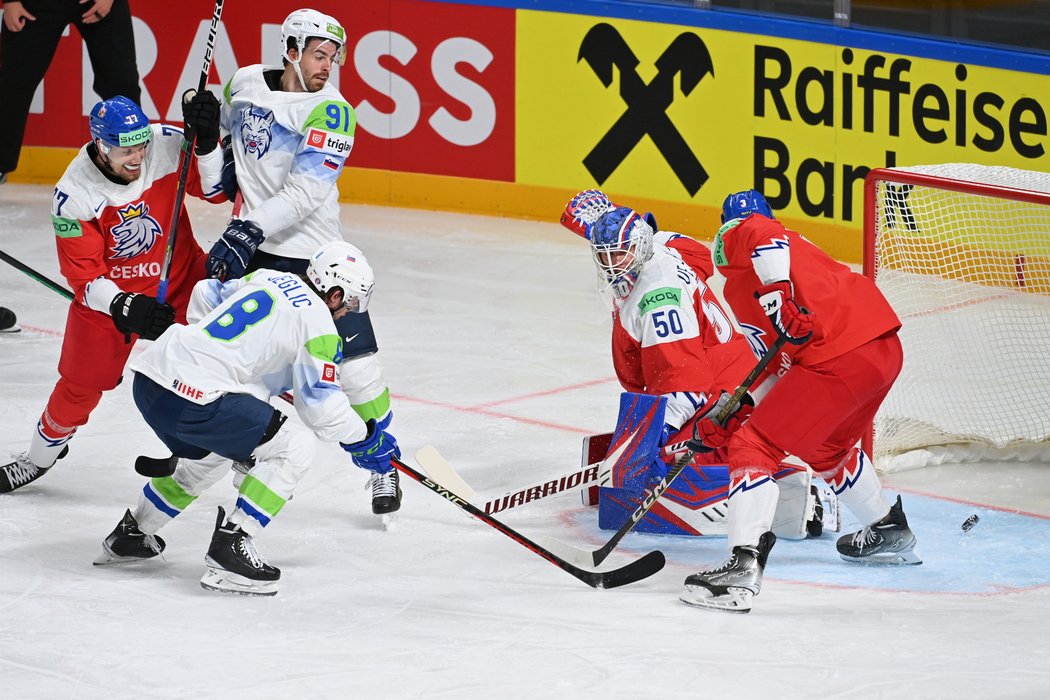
970,522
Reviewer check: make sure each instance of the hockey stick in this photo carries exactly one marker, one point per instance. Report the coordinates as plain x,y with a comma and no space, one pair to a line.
635,571
47,282
438,468
184,160
584,557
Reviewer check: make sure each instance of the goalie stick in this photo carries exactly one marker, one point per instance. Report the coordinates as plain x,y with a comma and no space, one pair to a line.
632,572
583,557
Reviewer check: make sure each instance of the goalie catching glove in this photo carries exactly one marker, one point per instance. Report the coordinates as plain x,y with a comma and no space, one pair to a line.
140,314
793,323
374,452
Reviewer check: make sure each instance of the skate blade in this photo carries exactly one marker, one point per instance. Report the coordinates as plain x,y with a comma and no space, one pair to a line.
736,600
228,582
389,520
906,558
109,558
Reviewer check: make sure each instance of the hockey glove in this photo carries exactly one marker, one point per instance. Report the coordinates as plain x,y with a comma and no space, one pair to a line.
228,178
710,433
140,314
228,258
792,323
200,113
374,452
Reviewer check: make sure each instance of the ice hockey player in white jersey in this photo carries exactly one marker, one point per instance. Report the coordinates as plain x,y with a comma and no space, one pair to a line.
289,135
204,389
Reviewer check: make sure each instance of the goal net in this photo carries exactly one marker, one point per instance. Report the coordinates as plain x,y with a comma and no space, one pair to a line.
962,253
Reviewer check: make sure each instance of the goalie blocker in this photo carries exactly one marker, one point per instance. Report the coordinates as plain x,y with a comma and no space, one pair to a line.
695,505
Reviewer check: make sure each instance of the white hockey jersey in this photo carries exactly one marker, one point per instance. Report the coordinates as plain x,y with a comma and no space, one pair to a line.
289,149
262,335
671,335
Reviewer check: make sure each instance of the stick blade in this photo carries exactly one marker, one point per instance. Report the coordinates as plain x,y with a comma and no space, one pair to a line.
154,467
438,469
631,573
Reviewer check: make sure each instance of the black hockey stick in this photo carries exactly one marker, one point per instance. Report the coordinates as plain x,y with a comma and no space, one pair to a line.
184,160
596,557
635,571
47,282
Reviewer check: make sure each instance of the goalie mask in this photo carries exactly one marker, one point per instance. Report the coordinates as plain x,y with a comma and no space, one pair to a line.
341,265
621,244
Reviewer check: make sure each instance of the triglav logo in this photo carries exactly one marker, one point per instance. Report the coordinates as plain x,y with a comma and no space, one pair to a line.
603,48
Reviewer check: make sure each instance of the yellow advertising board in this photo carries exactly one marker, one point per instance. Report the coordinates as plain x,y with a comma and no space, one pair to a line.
674,118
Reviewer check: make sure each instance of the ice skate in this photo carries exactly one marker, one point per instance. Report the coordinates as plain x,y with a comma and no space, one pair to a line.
731,586
889,541
235,565
386,494
22,471
127,543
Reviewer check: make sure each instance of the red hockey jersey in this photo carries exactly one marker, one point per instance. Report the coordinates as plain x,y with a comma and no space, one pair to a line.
120,231
848,309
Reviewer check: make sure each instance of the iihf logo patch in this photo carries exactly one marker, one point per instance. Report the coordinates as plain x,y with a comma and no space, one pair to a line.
136,233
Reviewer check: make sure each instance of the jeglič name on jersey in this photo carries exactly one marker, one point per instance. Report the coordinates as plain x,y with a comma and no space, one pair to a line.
292,288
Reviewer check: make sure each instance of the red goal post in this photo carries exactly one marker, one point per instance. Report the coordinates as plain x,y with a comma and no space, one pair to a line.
962,253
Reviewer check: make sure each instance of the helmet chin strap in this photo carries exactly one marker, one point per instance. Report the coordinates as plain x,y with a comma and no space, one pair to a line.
299,72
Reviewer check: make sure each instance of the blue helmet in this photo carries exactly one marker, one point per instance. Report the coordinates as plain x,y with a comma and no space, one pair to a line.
740,204
119,122
621,244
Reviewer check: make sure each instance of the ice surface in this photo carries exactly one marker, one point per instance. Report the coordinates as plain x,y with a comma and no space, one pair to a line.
495,344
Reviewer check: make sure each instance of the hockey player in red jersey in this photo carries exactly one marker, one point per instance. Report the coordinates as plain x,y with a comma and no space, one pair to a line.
839,361
110,211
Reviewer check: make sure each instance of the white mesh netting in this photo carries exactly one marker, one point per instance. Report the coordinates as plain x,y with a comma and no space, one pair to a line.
968,272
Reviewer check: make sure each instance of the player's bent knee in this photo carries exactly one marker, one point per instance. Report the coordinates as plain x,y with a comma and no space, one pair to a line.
749,450
289,453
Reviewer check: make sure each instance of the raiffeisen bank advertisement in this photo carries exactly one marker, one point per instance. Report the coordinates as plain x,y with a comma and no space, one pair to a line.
509,107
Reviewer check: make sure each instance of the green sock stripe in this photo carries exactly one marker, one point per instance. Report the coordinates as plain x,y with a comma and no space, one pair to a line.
173,494
261,496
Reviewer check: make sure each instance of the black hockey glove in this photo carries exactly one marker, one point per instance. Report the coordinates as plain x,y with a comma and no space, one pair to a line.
200,113
228,179
228,258
140,314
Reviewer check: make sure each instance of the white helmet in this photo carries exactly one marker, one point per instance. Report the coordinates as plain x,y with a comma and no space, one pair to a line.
303,24
339,264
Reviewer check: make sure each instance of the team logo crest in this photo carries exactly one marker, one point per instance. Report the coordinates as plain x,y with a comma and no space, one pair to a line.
255,131
136,233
